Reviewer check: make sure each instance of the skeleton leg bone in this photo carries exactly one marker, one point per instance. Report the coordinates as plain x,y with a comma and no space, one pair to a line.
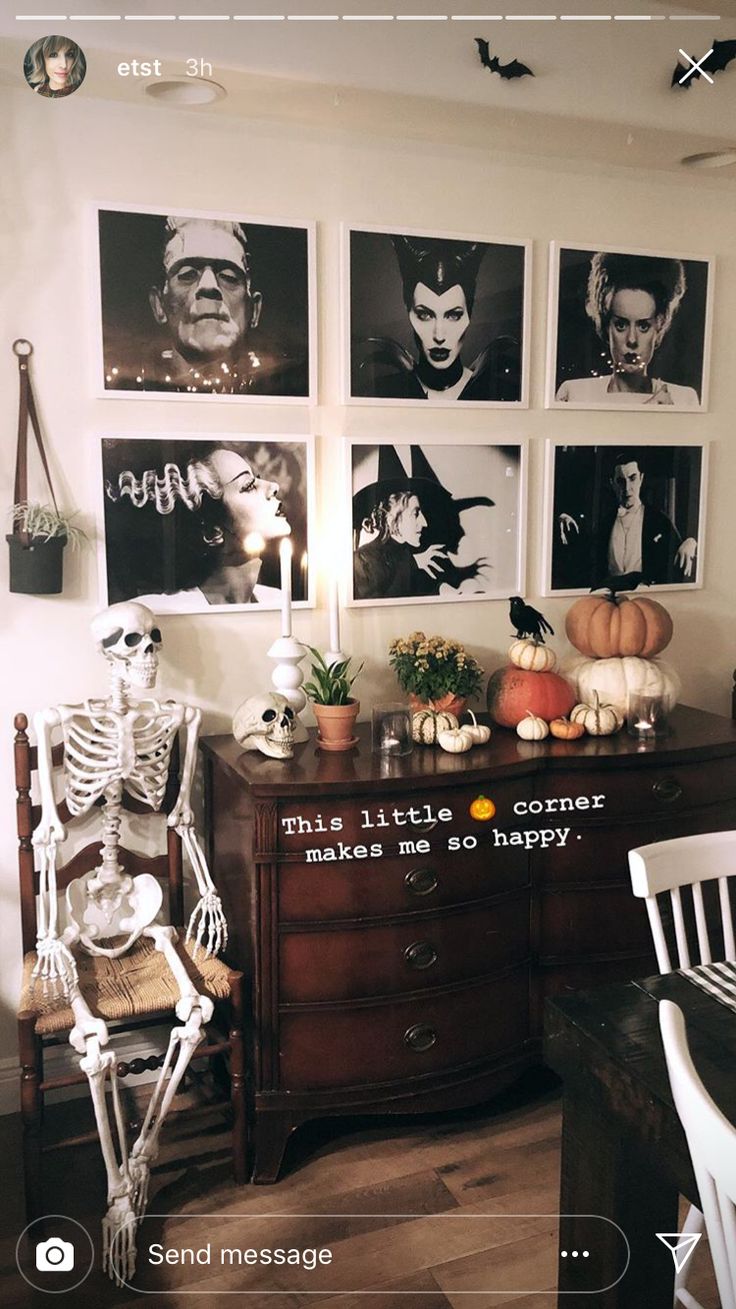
119,1223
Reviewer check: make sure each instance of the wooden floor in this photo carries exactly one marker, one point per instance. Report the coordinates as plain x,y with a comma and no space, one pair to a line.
498,1160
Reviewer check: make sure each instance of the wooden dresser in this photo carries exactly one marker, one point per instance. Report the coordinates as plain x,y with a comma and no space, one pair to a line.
400,950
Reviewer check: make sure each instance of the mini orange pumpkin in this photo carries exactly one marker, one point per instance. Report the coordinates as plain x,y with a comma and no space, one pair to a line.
482,809
564,730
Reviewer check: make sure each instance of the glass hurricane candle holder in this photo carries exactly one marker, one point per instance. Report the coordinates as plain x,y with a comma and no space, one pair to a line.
647,717
391,729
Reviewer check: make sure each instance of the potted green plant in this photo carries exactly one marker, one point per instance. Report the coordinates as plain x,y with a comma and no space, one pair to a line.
334,707
36,543
435,672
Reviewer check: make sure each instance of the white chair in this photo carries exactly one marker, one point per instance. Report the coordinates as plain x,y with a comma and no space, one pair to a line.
712,1143
671,867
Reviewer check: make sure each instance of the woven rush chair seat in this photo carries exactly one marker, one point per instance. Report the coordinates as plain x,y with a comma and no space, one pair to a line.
138,983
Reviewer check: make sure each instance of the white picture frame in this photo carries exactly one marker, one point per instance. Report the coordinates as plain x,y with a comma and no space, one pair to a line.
283,343
580,344
373,305
674,485
474,470
153,530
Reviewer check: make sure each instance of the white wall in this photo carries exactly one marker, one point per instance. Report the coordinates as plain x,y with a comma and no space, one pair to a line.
57,157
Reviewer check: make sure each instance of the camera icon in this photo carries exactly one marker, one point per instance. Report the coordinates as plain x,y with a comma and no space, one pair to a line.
54,1256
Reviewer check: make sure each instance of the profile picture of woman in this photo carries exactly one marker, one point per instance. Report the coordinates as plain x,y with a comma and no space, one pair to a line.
54,66
631,330
435,319
193,525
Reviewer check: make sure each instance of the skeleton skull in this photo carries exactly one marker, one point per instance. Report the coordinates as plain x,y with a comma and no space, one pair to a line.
128,632
266,723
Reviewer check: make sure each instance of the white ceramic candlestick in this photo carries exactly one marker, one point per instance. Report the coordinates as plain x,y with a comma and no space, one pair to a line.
334,655
285,556
287,677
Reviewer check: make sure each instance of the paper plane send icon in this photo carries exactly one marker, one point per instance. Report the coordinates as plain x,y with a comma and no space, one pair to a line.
680,1245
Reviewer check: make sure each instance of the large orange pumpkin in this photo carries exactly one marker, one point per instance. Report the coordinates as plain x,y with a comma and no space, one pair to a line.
609,628
513,693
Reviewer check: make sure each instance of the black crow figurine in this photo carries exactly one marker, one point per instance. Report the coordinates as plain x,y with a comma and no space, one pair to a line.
528,621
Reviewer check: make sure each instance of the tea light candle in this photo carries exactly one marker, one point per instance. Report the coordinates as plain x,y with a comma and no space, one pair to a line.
647,716
285,555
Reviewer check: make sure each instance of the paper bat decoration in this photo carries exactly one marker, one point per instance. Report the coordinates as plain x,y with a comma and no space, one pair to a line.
723,53
494,65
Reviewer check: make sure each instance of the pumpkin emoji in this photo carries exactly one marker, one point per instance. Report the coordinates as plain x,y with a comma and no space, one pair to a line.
482,809
565,730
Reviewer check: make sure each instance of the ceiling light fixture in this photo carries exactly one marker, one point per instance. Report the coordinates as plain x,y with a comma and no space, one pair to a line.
185,91
710,159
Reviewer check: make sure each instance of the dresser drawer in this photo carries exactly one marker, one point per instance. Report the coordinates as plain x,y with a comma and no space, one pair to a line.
601,853
586,923
402,1039
414,955
364,820
636,790
384,887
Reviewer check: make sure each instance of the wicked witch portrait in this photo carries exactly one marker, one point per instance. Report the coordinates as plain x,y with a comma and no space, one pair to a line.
417,532
631,331
435,319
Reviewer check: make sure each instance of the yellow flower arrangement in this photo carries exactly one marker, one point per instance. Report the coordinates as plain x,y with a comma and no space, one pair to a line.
432,666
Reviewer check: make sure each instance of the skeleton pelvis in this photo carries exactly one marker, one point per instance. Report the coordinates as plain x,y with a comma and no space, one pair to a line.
123,908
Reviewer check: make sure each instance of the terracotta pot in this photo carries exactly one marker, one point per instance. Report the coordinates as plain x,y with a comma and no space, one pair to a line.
452,704
336,725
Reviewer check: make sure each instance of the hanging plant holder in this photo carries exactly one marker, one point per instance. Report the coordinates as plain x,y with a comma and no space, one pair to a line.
36,561
38,567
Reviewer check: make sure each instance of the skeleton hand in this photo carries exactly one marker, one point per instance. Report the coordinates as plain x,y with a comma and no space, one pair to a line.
55,965
208,917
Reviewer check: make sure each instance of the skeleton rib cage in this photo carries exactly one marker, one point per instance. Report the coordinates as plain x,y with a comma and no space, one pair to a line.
103,747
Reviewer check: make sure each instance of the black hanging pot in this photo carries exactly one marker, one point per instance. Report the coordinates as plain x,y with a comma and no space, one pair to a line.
36,568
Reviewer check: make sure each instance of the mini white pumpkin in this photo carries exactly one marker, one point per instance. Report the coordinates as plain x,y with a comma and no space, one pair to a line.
532,728
456,740
478,733
597,719
427,724
532,656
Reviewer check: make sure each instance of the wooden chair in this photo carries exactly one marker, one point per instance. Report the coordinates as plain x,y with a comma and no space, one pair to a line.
694,927
711,1140
134,992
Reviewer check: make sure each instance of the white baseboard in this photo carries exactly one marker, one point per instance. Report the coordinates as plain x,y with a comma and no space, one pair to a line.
61,1060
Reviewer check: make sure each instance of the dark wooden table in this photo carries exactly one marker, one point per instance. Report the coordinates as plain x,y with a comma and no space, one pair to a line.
624,1154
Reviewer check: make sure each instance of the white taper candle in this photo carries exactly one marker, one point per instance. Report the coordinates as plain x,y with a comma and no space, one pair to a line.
334,610
285,553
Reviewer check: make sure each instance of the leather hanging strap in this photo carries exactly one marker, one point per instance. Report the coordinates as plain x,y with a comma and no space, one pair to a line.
27,409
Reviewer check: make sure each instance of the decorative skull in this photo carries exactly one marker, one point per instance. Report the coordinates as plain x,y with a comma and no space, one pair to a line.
266,723
128,632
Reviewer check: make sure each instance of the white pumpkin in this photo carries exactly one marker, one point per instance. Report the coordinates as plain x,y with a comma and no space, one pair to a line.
532,728
478,732
456,740
613,679
428,723
597,719
532,656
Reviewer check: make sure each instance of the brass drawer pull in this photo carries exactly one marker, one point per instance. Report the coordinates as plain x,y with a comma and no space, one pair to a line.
421,881
667,790
421,954
420,1037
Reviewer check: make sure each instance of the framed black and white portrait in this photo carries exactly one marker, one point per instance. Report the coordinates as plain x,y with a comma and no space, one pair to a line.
624,516
205,304
435,318
436,523
196,524
628,329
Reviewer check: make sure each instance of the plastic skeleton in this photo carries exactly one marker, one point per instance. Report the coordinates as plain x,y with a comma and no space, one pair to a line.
110,746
